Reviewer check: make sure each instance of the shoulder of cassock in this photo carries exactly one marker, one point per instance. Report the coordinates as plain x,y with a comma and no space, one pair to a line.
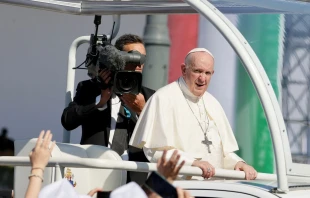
156,112
157,116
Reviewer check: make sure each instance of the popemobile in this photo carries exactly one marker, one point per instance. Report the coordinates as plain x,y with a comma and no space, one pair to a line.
90,166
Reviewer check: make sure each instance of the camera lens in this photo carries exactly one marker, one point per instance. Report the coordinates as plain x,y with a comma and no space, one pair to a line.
128,83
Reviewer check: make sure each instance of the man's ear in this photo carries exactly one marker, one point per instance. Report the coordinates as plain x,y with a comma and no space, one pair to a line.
183,69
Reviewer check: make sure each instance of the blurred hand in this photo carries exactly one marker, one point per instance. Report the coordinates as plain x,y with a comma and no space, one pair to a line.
94,191
169,169
41,153
208,170
183,193
105,75
134,102
250,172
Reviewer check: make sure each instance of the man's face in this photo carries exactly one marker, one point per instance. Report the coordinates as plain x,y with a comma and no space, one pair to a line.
198,75
138,47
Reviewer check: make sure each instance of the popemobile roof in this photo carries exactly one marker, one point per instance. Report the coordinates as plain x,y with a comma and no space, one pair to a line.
108,7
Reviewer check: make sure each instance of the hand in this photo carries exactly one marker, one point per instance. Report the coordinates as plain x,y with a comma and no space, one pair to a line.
169,169
94,191
106,93
105,96
208,170
183,193
134,102
250,172
41,153
105,76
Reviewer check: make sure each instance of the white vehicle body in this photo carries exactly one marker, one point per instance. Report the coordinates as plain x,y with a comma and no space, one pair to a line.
291,179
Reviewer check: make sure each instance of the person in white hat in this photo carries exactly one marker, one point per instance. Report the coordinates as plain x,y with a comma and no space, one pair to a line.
183,116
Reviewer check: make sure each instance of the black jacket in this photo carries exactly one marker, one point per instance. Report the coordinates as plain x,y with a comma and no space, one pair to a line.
96,124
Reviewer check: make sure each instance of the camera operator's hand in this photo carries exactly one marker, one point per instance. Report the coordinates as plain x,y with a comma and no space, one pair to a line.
105,96
134,102
105,75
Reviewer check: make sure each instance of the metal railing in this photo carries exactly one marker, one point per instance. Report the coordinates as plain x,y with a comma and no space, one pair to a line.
128,165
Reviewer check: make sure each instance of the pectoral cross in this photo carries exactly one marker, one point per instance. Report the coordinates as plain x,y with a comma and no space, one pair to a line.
207,142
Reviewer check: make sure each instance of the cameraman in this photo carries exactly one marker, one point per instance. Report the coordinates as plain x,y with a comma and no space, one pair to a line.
106,119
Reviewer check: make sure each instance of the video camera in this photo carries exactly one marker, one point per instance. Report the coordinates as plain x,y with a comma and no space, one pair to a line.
103,55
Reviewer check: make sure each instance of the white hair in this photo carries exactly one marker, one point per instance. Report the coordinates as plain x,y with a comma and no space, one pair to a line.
188,57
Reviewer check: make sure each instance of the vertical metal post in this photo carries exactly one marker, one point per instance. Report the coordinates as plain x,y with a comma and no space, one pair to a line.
71,77
157,43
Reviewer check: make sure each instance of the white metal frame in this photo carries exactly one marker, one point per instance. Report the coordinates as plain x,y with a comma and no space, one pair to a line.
284,166
104,7
127,165
71,76
58,162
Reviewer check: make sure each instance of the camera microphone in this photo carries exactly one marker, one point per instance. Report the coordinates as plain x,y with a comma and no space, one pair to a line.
110,58
113,60
133,57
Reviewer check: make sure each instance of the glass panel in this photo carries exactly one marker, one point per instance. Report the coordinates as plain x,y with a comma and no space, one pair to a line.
296,85
283,47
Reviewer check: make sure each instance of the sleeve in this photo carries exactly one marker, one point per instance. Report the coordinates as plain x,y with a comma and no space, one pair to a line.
104,106
154,156
78,110
230,160
154,128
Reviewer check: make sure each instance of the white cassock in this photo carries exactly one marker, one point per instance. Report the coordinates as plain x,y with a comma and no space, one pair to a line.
174,118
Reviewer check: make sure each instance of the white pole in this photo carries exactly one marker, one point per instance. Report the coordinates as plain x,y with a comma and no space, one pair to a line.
58,175
71,76
124,165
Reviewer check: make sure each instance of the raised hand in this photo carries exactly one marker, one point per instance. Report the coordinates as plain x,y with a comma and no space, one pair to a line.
183,193
169,169
94,191
41,153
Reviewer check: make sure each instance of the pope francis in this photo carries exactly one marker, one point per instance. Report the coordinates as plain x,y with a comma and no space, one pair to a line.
183,116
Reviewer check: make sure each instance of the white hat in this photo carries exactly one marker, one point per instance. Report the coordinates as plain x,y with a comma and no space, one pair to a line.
129,190
200,50
60,189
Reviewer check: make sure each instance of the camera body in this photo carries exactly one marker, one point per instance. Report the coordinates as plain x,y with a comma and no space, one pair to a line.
102,55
